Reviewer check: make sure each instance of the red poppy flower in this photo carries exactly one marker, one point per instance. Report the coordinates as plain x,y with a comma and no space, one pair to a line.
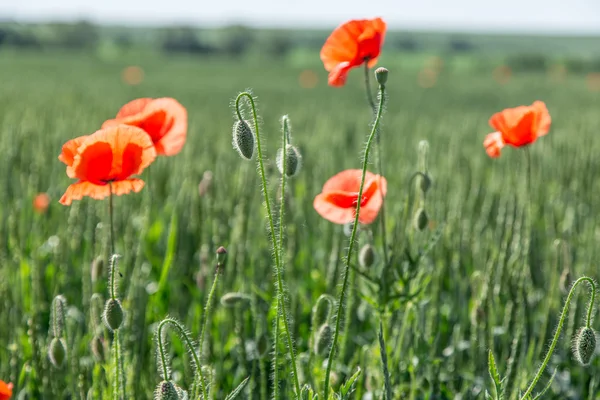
337,201
164,119
350,45
517,127
5,390
107,159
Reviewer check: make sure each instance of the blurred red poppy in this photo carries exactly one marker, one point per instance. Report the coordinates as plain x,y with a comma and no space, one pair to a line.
517,127
106,160
350,45
337,201
5,390
164,119
41,202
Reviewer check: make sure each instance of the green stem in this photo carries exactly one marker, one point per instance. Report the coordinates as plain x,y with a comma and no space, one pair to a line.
278,261
352,242
379,163
117,355
207,309
384,361
561,322
112,225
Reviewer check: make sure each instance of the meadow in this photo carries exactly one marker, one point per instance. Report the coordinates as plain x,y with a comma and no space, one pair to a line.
474,289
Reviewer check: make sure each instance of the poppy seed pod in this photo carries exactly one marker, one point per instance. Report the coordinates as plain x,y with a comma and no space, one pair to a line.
421,219
57,352
113,314
234,299
366,257
323,342
381,74
584,345
166,391
243,139
293,161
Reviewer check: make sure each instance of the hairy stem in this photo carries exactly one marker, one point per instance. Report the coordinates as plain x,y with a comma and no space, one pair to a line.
276,252
561,322
352,242
207,309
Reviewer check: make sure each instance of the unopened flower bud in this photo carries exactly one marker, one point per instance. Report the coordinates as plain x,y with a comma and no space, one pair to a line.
113,314
421,219
221,256
323,340
57,352
424,182
166,391
235,299
243,139
584,345
97,269
262,345
98,349
381,74
321,311
366,257
293,161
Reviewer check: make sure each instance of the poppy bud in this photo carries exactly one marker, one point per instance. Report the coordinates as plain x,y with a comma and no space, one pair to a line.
293,161
421,219
243,139
57,352
205,183
98,349
113,314
221,256
97,269
321,311
584,345
424,182
381,74
262,345
166,391
323,342
182,394
234,299
366,257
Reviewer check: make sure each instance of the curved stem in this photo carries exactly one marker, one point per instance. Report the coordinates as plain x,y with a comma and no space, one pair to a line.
352,242
207,309
278,261
561,322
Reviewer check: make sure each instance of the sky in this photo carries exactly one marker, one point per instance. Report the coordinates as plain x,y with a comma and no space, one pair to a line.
543,16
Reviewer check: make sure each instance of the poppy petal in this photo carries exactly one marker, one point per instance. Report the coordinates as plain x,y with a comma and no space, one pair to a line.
543,119
493,144
522,133
338,76
69,150
79,190
134,107
332,212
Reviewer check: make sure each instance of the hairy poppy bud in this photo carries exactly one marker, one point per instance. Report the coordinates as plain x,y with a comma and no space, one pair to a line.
424,182
421,219
323,341
113,314
243,139
166,391
381,74
366,257
321,311
584,345
234,299
57,352
262,345
293,161
98,349
221,256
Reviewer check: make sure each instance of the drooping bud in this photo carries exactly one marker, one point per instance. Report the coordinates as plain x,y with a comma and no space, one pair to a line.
323,340
113,314
98,347
262,345
381,75
421,219
293,161
221,256
366,257
235,299
57,352
584,345
243,139
321,311
424,182
166,391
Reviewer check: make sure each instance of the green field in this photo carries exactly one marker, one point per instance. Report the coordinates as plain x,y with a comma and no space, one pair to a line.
480,288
